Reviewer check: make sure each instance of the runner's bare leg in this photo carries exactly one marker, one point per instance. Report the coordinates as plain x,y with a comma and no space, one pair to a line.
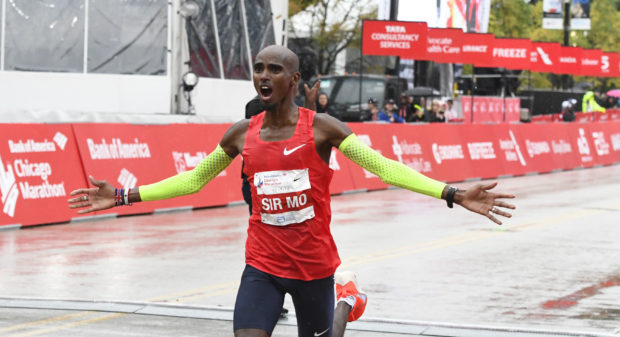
340,318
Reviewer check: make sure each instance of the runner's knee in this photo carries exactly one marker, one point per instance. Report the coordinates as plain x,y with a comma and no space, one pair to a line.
251,333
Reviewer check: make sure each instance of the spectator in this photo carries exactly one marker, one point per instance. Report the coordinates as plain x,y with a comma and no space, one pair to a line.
568,110
372,108
610,103
404,108
389,114
437,116
418,116
451,112
589,103
322,106
411,104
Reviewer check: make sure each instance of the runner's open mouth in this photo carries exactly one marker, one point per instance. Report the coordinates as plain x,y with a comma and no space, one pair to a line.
265,92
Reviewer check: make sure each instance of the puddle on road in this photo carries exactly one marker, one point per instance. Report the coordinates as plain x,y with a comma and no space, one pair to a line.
600,314
568,301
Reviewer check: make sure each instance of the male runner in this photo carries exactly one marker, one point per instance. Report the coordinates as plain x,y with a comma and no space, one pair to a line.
286,151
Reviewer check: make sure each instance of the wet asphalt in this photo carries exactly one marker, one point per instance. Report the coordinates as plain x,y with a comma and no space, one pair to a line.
554,266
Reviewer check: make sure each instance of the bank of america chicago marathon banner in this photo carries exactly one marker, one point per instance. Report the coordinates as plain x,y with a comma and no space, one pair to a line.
131,155
39,166
457,152
414,40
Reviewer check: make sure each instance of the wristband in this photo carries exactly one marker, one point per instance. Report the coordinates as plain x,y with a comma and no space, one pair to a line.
126,198
118,198
450,196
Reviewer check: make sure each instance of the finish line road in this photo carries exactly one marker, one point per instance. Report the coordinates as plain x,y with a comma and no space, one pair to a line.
554,265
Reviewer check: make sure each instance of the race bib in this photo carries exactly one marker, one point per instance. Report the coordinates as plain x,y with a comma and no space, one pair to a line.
284,196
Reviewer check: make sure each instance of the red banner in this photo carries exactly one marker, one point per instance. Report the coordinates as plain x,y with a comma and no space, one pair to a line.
444,45
41,164
591,62
125,155
615,64
607,64
489,109
570,61
545,57
398,38
477,49
367,133
39,167
512,53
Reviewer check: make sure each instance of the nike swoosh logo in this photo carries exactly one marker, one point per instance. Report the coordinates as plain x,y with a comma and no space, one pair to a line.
287,152
316,334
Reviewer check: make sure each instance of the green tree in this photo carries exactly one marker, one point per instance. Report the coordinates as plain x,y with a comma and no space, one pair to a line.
333,26
510,18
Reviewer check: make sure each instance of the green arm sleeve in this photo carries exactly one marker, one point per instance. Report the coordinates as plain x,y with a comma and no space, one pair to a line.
390,171
188,182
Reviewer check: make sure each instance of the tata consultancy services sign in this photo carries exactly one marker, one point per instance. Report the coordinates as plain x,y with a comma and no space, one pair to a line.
396,38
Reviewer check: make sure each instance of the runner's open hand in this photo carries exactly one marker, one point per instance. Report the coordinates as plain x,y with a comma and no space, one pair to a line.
312,94
97,198
477,199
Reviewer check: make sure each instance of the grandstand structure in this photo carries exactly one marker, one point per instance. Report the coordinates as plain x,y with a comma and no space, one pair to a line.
123,61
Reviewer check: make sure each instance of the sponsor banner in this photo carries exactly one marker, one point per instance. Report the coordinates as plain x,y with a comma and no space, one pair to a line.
477,49
449,152
444,45
580,14
569,61
512,53
581,137
132,155
591,62
375,136
41,164
606,142
535,146
545,57
342,180
552,14
615,64
553,17
412,147
483,150
609,65
39,167
398,38
510,150
189,146
489,109
612,130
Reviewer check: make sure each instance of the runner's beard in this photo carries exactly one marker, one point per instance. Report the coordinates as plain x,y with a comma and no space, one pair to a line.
268,107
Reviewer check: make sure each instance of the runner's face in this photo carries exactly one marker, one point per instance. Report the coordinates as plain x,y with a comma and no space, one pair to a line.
272,80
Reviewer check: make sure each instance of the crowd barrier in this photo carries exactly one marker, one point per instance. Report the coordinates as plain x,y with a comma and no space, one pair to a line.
596,116
41,164
491,109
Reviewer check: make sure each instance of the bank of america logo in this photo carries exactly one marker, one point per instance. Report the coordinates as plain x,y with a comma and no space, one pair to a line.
60,140
127,179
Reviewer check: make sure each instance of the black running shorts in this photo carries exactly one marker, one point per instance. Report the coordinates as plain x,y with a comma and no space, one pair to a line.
261,296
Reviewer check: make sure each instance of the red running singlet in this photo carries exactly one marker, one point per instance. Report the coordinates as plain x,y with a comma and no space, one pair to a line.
289,233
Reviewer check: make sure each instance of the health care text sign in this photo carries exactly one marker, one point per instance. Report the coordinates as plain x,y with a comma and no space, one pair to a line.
397,38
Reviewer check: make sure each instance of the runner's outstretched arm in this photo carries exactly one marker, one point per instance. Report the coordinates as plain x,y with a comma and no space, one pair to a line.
476,199
102,196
